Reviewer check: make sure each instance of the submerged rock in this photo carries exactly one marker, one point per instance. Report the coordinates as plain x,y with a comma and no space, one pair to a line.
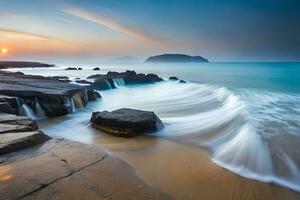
71,68
173,78
96,69
83,82
126,122
182,81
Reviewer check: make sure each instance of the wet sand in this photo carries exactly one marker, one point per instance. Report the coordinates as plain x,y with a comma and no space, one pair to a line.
185,172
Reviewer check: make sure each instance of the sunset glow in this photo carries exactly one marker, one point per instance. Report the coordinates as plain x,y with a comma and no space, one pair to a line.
4,51
85,30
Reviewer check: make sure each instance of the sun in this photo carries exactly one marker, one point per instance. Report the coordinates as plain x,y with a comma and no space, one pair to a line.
4,51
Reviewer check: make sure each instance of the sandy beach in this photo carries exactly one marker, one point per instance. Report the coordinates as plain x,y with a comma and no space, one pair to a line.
186,172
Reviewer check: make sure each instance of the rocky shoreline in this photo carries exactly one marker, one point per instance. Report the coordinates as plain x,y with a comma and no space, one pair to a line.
63,172
35,166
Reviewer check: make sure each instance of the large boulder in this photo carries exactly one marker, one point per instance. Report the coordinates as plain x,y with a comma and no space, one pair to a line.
126,122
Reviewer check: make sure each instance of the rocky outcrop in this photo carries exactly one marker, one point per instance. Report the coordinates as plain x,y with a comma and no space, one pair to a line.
108,81
182,81
22,64
126,122
17,133
34,166
96,69
53,97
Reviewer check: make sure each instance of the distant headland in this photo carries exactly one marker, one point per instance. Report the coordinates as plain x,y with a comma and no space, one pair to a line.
176,58
22,64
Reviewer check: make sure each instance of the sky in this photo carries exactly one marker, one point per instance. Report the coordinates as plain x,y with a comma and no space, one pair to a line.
231,30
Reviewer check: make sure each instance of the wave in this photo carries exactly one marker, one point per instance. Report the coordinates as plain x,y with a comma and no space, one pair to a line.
253,133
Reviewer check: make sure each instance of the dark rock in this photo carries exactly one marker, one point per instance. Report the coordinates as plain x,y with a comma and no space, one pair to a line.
176,58
64,79
182,81
9,105
105,81
173,78
79,68
71,68
93,95
103,84
22,64
6,108
97,94
96,69
52,95
126,122
83,82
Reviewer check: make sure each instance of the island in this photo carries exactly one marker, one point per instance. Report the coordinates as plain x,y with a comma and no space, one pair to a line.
176,58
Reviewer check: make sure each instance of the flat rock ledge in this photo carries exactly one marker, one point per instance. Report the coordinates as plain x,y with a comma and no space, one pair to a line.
126,122
17,133
22,94
61,169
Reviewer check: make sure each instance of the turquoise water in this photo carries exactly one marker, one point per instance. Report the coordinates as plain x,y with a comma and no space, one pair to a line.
282,77
246,114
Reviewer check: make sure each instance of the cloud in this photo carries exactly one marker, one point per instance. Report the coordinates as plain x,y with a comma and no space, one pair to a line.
24,35
110,23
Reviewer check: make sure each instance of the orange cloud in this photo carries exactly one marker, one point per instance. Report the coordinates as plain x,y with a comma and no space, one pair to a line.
109,23
9,33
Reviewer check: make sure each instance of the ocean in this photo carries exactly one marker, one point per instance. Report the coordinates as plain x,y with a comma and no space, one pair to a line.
246,114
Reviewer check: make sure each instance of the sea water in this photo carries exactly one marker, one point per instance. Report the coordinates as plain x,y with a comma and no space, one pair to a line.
246,114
